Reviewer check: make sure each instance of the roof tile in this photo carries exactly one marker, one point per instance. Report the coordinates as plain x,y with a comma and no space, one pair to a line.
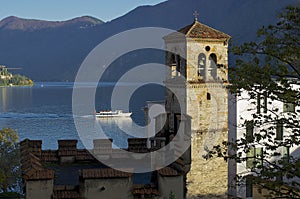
65,194
168,171
145,189
199,30
104,173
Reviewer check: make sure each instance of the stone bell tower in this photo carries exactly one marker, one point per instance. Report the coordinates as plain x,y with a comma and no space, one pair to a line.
197,63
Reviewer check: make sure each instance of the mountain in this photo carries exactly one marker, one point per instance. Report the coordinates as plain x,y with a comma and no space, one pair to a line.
15,23
53,51
46,50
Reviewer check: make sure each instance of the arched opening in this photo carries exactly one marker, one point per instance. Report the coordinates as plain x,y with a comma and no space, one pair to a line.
213,65
201,65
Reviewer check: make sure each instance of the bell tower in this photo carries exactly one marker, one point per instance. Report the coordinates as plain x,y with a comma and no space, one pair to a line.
197,61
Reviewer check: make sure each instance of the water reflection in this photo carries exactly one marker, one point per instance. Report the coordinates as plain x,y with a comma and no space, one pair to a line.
46,113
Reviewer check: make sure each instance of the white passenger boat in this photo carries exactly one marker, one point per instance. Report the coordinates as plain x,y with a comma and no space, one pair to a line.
117,113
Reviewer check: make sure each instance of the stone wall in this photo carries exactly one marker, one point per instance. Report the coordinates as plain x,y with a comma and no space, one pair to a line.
107,188
170,185
39,188
207,178
218,47
207,105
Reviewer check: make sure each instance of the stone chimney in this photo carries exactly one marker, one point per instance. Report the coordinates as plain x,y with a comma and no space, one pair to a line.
137,145
102,148
67,150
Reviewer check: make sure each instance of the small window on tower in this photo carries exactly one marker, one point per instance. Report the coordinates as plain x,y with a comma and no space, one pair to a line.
207,48
208,96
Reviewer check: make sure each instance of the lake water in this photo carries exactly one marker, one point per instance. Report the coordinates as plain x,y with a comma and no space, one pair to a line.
44,112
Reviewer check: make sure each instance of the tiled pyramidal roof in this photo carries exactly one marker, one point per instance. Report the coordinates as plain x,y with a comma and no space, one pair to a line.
199,30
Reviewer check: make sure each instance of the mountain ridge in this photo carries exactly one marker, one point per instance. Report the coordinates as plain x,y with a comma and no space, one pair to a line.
55,52
17,23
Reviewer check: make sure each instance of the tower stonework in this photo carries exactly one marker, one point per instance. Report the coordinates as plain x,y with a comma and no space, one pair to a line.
197,65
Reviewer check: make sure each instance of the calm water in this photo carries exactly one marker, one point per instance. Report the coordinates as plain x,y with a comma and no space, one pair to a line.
44,112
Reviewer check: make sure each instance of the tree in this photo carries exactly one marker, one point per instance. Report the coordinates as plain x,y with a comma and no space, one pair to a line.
9,160
269,67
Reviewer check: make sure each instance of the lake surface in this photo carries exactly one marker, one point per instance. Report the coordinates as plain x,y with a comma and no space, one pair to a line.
44,112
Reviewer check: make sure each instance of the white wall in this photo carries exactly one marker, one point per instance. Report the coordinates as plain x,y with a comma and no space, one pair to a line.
241,109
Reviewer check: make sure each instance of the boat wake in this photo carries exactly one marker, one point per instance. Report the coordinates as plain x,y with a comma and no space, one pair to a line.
14,115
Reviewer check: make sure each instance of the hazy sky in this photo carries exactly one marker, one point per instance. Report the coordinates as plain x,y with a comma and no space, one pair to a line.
105,10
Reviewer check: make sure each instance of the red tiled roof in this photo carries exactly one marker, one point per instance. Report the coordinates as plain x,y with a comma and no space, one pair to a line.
84,155
49,156
32,168
30,160
66,194
67,152
168,171
142,189
104,173
32,146
44,174
147,191
199,30
30,164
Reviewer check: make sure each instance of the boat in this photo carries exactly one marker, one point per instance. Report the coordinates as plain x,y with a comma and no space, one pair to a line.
117,113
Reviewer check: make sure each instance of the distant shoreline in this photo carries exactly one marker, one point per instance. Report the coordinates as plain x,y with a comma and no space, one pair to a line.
7,86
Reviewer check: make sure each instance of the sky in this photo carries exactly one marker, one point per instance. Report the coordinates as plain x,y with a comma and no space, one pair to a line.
58,10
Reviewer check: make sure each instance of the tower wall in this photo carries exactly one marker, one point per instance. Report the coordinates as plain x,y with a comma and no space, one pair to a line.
201,79
207,104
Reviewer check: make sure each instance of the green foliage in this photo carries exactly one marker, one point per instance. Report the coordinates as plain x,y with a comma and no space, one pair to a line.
12,195
172,195
9,160
8,79
270,66
20,80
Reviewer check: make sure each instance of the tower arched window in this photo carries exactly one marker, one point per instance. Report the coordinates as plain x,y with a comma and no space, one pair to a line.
201,65
213,65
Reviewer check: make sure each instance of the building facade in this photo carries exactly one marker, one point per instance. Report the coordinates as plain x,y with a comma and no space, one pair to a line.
243,126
